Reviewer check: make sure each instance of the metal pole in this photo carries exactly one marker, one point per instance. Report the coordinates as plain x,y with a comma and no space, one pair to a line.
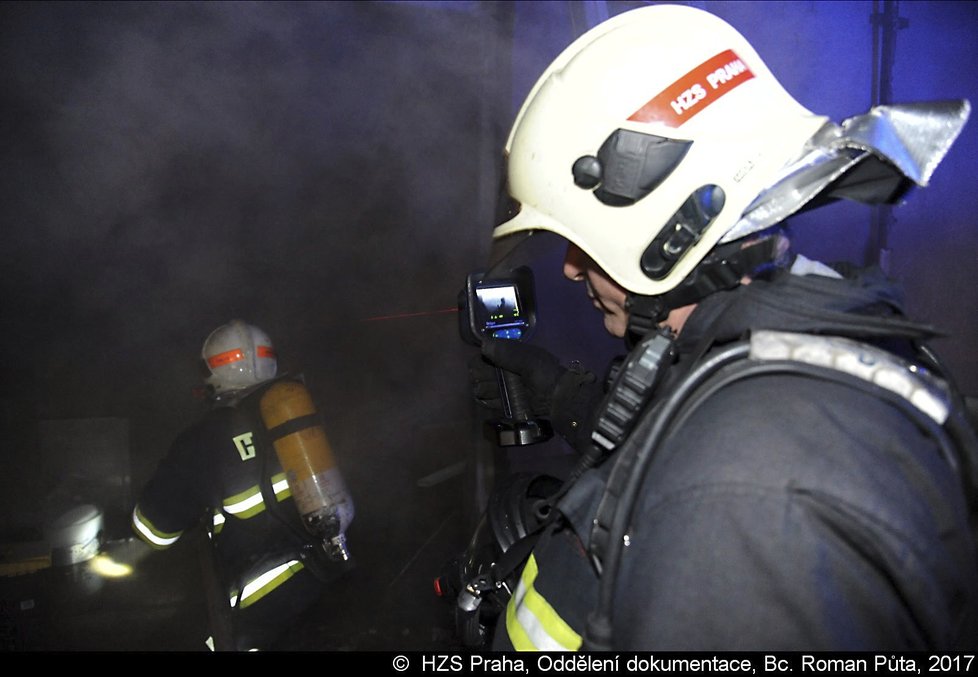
885,25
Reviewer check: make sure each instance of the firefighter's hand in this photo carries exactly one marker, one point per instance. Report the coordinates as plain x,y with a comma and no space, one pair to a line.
485,384
538,369
567,396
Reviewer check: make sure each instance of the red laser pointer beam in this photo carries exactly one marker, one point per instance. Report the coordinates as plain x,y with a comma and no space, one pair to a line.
401,316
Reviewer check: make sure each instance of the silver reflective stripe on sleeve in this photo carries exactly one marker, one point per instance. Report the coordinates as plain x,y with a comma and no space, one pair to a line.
250,502
244,504
264,583
151,534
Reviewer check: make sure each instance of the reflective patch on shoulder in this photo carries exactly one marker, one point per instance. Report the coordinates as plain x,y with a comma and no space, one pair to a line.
913,383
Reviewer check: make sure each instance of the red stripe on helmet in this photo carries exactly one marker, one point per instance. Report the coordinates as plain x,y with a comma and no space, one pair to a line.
696,90
225,358
266,351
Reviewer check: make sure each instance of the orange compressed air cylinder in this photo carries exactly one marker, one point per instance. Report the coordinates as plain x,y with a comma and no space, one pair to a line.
307,459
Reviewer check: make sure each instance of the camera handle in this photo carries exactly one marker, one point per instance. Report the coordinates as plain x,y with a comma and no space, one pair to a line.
517,428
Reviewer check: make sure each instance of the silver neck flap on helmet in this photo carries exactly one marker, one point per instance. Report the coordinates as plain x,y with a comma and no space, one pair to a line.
909,139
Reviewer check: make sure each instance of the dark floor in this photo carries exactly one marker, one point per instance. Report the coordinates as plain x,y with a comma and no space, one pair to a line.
386,603
412,517
160,606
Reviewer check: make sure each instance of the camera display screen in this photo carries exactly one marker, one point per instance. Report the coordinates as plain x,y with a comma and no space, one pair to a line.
498,311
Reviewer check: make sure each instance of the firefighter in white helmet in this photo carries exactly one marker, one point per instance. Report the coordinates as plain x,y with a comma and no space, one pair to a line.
231,470
796,499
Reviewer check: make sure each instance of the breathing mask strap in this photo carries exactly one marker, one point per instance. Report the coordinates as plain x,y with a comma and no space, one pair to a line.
722,269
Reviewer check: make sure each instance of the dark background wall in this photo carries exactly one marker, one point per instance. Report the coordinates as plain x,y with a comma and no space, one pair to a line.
329,171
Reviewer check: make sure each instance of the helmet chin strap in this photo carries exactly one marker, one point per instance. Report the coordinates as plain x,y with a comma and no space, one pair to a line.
722,269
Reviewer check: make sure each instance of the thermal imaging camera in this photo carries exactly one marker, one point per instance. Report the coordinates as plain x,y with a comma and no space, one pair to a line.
497,307
502,306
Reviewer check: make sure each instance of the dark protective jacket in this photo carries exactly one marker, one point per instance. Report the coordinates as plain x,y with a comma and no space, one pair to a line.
213,471
786,513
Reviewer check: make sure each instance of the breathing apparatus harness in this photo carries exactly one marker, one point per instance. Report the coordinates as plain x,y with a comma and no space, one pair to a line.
925,399
623,424
518,519
632,379
517,514
309,551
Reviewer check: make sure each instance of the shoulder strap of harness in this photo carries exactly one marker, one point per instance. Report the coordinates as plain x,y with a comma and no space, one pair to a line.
924,398
307,552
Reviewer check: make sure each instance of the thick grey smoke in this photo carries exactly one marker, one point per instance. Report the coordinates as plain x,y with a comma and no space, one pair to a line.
309,167
315,168
179,163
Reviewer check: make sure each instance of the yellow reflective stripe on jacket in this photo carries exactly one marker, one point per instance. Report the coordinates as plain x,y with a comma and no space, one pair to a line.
250,502
280,485
219,520
264,583
246,504
145,529
532,624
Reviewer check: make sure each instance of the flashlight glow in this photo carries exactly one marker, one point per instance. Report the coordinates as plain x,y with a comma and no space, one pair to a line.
106,567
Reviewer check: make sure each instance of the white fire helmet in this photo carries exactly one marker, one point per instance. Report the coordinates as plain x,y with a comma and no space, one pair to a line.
645,141
238,355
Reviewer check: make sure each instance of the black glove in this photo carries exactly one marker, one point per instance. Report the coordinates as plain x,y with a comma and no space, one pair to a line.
567,396
485,384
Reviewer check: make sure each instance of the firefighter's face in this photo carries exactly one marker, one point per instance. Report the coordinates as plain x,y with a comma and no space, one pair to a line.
606,295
